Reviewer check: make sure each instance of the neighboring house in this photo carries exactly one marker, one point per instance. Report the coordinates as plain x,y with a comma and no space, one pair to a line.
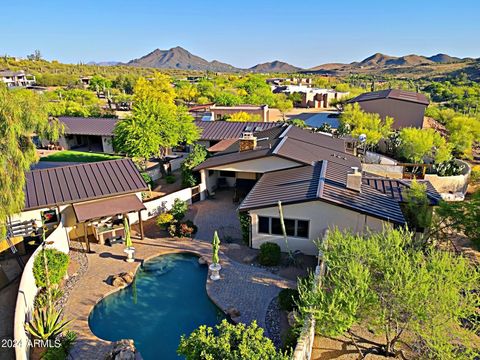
17,78
87,134
90,198
311,97
405,107
222,134
319,184
222,112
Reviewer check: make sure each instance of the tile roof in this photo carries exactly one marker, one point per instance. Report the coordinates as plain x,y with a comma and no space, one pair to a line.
288,142
323,181
396,94
82,182
88,126
220,130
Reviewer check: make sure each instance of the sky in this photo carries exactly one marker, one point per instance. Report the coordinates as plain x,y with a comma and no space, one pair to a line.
243,33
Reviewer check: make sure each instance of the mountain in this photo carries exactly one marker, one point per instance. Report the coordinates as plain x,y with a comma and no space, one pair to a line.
415,66
444,58
181,59
274,67
104,63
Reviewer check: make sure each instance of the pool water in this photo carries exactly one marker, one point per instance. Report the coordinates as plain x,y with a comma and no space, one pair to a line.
168,299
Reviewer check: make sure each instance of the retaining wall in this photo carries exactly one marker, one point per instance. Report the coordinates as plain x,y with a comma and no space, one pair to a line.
28,290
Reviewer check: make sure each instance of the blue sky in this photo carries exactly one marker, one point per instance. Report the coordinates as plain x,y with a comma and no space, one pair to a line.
302,32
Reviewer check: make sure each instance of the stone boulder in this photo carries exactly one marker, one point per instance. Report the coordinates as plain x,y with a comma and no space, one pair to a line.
291,318
233,312
202,261
123,350
249,259
121,280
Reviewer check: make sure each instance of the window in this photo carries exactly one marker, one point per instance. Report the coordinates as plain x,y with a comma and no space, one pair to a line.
227,173
302,228
276,227
211,172
293,227
263,225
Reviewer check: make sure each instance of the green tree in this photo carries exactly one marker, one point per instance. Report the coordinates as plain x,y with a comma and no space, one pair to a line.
22,113
463,132
197,155
298,123
418,144
284,105
462,217
359,122
416,206
409,295
229,342
242,116
158,89
186,91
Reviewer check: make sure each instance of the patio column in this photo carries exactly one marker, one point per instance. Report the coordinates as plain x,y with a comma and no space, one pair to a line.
85,234
203,184
140,223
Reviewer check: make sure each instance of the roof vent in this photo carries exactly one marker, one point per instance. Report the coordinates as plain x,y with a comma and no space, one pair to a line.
354,180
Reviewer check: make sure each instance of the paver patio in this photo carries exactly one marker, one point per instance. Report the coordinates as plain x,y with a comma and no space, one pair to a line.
246,288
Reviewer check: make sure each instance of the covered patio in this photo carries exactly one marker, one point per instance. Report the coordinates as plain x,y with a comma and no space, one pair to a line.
103,220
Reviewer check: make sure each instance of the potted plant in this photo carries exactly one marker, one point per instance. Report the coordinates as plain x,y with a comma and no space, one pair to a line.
129,249
215,267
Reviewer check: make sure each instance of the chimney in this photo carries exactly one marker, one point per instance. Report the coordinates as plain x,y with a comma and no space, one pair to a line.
248,141
354,180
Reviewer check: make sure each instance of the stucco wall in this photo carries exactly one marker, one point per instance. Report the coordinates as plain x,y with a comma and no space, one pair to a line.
321,216
28,290
405,113
107,142
262,165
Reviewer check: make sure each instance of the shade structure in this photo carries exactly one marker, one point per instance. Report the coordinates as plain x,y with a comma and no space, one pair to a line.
107,207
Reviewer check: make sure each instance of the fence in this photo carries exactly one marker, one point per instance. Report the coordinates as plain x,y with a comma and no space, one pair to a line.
28,290
303,350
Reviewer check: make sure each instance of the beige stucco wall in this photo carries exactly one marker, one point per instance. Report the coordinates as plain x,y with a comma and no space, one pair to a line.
321,216
262,165
406,114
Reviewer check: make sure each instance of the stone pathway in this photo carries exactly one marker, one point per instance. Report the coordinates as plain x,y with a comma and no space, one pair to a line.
246,288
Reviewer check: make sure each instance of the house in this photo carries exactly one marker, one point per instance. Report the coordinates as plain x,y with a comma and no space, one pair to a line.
222,112
222,134
87,134
405,107
318,183
17,78
311,97
90,199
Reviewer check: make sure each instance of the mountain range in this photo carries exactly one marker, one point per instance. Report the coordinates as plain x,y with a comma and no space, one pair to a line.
181,59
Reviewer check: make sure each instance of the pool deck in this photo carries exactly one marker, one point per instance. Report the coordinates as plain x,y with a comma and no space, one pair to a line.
246,288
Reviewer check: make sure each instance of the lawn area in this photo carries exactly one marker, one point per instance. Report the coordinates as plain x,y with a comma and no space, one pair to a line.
78,156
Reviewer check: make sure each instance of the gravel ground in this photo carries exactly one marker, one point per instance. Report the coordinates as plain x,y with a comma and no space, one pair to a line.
77,255
272,323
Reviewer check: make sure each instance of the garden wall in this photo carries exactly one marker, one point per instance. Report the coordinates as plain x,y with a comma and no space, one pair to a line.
451,184
303,350
28,290
161,204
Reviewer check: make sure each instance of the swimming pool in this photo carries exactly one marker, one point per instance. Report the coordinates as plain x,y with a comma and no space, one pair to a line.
168,299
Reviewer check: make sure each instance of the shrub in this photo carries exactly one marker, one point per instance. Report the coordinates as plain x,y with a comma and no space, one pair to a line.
47,324
148,179
41,300
57,262
287,299
475,174
170,179
184,230
270,254
179,208
244,226
290,339
172,230
61,352
164,219
228,341
192,225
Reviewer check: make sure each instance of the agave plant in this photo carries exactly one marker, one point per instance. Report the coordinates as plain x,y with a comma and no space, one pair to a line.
46,324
